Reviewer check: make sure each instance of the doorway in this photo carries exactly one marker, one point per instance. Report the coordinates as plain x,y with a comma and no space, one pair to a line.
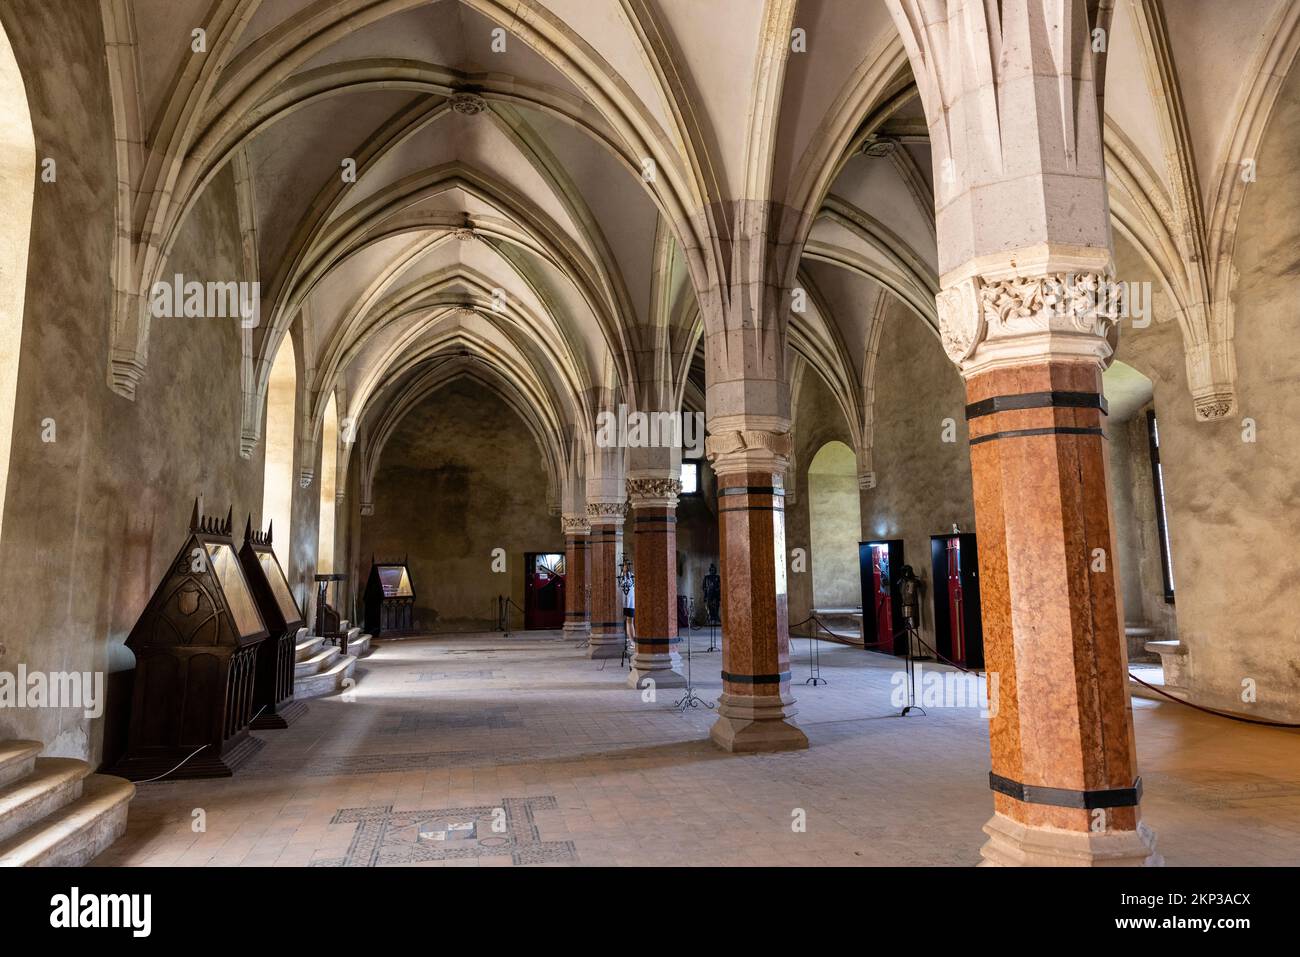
954,567
543,590
883,629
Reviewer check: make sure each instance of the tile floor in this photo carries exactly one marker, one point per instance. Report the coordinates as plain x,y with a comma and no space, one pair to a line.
487,750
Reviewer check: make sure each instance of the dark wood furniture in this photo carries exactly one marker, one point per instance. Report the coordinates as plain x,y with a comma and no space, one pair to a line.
273,702
329,623
389,599
195,649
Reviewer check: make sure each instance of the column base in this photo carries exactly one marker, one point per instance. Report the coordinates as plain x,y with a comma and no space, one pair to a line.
657,667
746,723
606,646
1012,844
577,631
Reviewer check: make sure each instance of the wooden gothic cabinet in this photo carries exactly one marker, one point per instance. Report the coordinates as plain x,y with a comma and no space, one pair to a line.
195,649
273,702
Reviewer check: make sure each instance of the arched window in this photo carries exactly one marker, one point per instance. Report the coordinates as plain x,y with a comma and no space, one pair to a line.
17,187
277,486
329,454
834,517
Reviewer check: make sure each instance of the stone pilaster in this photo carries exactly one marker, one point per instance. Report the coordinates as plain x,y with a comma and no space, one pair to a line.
577,586
1064,770
607,627
749,454
653,501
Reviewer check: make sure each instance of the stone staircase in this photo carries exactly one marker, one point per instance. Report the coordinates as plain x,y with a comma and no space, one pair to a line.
53,811
320,668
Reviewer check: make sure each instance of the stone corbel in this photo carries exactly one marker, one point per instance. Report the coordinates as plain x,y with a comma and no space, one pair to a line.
367,509
1212,379
305,477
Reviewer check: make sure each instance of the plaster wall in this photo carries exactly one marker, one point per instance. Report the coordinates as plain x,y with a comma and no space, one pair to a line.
818,420
1231,500
461,476
923,483
93,518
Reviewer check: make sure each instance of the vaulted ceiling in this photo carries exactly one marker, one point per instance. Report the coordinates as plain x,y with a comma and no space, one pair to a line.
433,187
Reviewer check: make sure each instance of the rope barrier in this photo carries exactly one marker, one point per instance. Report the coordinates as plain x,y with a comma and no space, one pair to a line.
1222,714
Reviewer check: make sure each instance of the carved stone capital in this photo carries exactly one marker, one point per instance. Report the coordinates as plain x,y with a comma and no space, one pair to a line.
749,450
575,525
367,509
464,234
995,323
647,492
606,513
305,477
866,481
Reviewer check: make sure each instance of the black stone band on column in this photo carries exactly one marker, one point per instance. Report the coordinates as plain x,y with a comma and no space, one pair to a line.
662,519
1053,430
608,624
753,508
751,490
1037,400
756,679
657,642
1064,797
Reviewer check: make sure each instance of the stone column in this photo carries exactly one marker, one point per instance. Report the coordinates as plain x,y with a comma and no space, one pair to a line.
577,608
607,629
749,454
1031,346
654,529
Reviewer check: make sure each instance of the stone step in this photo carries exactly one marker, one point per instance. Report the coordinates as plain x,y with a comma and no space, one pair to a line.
78,832
358,644
320,661
324,682
306,647
52,784
17,758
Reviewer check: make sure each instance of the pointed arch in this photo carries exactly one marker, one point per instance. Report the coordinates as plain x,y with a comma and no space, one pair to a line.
17,187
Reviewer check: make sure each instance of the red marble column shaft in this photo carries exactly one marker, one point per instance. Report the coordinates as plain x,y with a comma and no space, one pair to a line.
607,626
654,530
756,696
1060,716
577,614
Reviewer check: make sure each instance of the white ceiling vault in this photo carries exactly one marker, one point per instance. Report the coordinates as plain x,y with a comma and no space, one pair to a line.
540,185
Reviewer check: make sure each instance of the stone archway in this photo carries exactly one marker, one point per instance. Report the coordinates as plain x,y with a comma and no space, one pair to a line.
17,180
834,521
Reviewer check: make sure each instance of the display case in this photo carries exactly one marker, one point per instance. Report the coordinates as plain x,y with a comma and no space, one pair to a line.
273,702
390,599
195,647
